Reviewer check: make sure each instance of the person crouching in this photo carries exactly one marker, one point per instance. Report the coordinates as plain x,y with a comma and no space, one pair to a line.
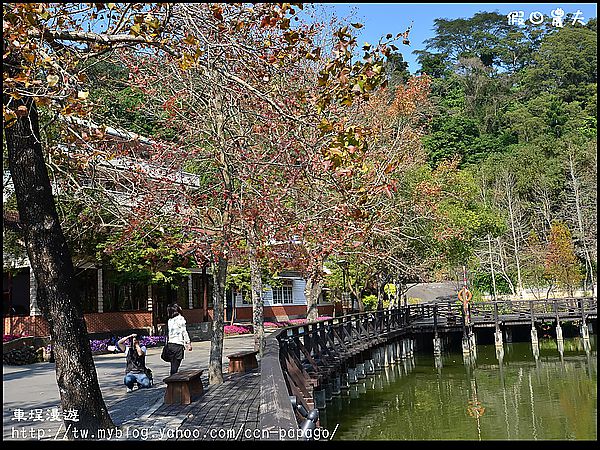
135,372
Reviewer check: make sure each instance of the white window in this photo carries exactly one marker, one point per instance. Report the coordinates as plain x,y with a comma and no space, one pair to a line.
282,295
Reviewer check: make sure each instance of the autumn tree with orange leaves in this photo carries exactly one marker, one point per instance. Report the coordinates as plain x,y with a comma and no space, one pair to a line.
562,266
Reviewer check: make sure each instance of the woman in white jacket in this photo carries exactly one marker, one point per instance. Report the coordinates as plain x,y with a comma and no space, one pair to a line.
178,337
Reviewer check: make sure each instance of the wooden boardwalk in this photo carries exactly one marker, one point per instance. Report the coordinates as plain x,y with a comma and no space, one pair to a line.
228,411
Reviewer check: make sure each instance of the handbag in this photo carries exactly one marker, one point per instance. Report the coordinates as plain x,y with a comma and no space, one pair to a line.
164,355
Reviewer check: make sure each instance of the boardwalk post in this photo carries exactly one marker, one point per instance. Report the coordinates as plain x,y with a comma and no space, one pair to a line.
466,348
344,380
329,391
360,370
370,366
437,345
472,342
337,384
352,378
403,349
585,334
498,332
534,337
376,355
559,336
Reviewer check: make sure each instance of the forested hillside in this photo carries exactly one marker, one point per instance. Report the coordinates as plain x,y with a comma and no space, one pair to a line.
516,108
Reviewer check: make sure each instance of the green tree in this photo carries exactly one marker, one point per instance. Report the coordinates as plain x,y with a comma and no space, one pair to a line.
565,65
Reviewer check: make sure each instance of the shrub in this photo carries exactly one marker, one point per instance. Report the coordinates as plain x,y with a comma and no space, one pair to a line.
370,302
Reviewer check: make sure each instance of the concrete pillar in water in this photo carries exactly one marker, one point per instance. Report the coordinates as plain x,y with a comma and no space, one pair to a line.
534,343
392,356
369,366
406,364
500,353
560,343
337,384
354,391
319,398
352,378
360,370
466,345
371,383
473,342
375,359
392,373
379,381
585,334
385,377
411,347
329,390
344,381
437,346
386,356
498,338
399,351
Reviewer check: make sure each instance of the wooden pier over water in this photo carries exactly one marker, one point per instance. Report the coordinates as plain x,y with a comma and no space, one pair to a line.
305,366
311,363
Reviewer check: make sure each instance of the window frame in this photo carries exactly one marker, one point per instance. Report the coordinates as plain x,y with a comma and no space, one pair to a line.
279,293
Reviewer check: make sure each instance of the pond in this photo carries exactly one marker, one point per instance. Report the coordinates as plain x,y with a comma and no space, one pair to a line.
522,398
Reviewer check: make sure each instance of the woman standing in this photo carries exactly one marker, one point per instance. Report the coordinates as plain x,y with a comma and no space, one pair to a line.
178,337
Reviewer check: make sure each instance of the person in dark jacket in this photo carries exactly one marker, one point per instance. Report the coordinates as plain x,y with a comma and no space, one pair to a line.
136,371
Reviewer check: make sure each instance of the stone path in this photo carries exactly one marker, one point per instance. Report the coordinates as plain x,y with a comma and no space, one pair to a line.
32,389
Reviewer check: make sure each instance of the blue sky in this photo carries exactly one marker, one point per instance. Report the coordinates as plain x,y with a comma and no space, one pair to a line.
382,18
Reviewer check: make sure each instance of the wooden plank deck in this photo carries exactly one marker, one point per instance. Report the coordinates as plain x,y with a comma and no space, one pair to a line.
227,411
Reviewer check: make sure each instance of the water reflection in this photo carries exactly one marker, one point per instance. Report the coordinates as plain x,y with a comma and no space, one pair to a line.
498,395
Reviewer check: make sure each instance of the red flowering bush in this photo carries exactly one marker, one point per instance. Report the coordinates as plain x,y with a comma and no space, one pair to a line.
237,329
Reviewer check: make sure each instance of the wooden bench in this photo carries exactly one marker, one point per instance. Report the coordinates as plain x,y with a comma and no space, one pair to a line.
181,386
242,361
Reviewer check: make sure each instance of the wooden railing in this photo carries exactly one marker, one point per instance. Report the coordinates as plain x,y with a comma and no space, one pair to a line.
303,358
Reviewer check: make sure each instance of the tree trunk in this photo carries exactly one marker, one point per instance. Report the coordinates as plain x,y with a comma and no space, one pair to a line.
355,289
314,285
258,317
380,286
215,364
495,294
588,262
52,266
509,183
312,291
503,267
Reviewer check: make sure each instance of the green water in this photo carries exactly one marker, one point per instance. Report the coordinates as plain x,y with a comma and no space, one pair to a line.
551,398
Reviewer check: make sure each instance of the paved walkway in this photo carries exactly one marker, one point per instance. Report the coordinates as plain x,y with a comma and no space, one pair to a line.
32,389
